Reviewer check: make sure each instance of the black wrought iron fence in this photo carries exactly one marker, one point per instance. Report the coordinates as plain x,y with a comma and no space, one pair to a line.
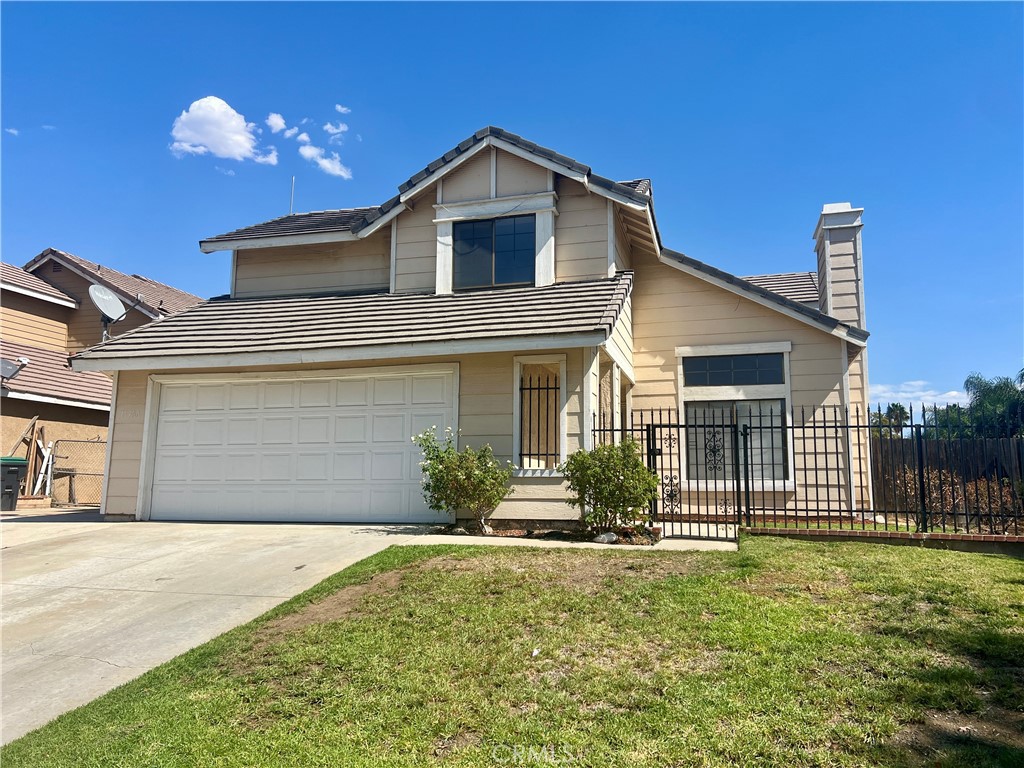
77,472
723,465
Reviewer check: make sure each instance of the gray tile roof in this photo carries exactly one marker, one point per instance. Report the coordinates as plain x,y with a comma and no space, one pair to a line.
157,298
820,318
798,286
355,219
18,277
643,186
307,323
49,375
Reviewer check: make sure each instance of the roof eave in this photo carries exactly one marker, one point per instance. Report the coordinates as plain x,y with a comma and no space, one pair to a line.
94,361
68,302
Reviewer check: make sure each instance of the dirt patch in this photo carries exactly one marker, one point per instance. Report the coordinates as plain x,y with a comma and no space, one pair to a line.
940,731
589,571
460,740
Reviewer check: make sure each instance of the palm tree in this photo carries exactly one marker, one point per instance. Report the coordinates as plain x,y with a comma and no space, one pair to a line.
996,404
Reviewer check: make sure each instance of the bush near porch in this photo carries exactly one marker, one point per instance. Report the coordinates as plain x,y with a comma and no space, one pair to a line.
785,653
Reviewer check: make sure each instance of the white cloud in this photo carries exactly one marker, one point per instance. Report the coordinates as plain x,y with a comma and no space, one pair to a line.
914,393
359,137
343,110
331,165
211,126
290,132
225,171
305,121
334,130
268,158
12,131
303,138
276,122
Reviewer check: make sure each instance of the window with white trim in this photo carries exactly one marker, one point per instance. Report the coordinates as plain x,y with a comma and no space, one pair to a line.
539,429
489,253
749,389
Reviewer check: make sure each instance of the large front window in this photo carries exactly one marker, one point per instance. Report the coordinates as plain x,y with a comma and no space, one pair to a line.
494,252
727,396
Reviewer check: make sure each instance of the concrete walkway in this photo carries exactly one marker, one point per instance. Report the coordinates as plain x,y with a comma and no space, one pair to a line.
89,605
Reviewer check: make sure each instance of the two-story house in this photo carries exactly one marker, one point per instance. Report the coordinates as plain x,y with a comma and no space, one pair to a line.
45,316
506,291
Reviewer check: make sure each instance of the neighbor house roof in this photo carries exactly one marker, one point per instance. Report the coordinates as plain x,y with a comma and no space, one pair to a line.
49,378
353,220
798,286
739,285
16,279
347,327
158,299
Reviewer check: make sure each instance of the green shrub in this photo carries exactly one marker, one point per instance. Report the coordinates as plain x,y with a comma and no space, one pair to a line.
610,485
468,480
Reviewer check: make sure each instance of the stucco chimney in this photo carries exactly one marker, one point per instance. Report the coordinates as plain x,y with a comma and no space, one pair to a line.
840,265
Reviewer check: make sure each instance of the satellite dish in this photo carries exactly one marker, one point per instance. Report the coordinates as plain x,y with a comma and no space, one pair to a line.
109,306
107,303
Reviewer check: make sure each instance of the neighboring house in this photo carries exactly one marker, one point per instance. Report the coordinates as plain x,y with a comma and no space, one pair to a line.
46,315
508,292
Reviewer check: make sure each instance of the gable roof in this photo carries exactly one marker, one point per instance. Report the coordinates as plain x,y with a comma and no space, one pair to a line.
355,220
16,279
158,299
798,286
738,285
333,328
49,377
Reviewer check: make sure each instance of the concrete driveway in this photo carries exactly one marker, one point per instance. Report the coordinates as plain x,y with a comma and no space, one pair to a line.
89,605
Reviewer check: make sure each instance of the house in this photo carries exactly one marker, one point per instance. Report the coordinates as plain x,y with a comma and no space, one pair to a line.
46,315
506,291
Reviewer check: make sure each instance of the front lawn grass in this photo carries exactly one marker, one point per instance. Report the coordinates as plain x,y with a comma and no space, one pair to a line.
786,653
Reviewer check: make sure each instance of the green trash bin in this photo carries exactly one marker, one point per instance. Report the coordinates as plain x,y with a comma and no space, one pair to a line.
12,470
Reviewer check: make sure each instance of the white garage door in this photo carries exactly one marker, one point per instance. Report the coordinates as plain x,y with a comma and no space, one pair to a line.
329,448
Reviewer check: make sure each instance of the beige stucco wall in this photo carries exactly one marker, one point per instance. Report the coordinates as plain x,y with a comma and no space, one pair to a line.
517,176
25,320
61,422
360,265
486,386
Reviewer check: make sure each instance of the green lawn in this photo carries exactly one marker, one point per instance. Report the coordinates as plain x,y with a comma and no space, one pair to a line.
787,653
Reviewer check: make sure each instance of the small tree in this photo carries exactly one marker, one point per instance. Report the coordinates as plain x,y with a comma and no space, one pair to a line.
610,484
468,480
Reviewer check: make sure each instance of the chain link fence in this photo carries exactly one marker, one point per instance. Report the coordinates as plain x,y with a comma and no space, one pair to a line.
77,473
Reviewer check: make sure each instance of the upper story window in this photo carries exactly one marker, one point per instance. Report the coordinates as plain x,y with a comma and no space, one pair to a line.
733,370
494,252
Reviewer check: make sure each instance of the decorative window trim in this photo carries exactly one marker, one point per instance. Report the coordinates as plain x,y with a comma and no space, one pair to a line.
782,391
563,415
541,204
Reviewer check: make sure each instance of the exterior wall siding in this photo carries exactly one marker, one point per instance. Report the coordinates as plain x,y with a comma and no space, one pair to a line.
517,176
581,233
416,247
85,324
25,320
361,265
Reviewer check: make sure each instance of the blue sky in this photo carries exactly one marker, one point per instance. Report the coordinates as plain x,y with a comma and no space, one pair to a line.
747,118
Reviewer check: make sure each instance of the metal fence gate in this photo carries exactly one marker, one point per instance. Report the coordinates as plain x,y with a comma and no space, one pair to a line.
698,469
77,472
725,465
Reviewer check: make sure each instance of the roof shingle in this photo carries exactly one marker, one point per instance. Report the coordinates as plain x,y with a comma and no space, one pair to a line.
49,375
157,298
303,323
19,278
797,286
